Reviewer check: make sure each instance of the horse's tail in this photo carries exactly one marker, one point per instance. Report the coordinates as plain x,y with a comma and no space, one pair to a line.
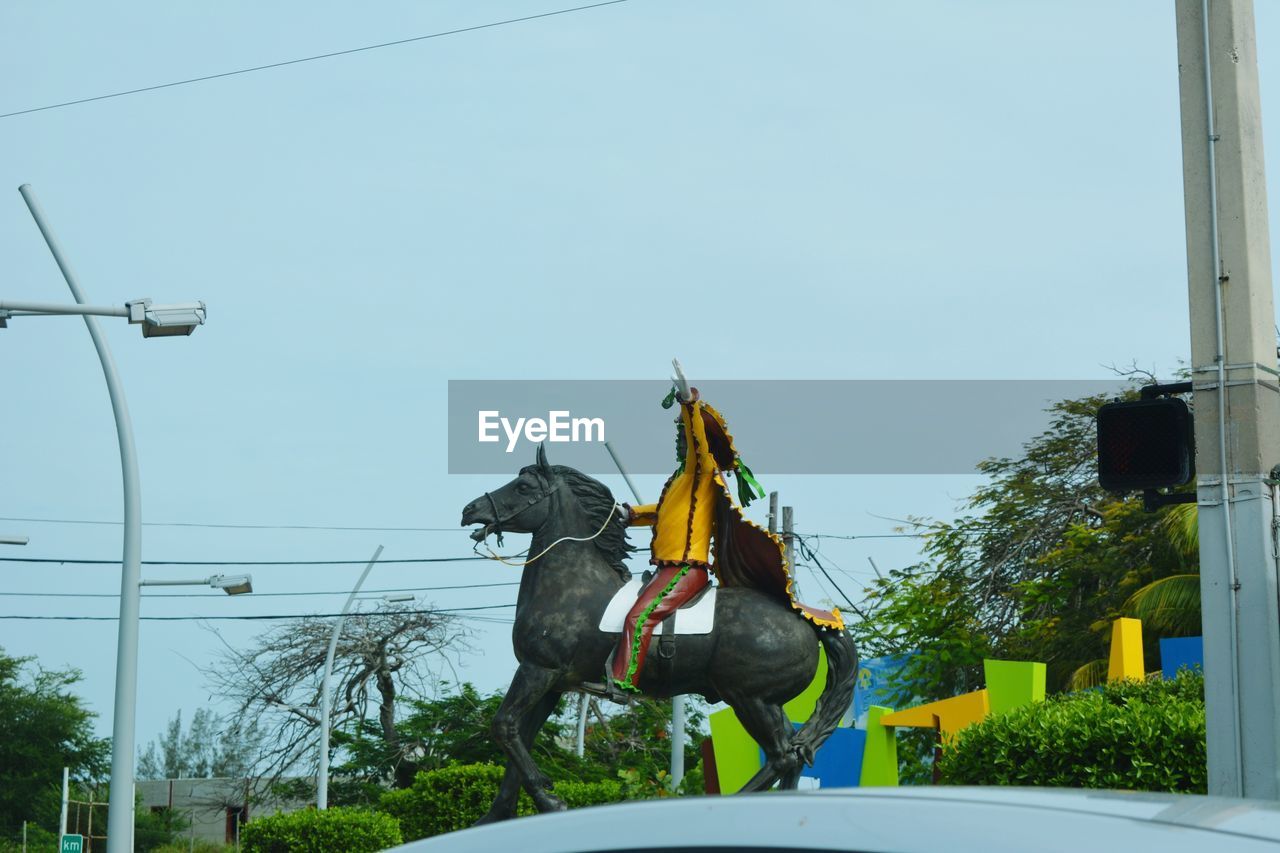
836,697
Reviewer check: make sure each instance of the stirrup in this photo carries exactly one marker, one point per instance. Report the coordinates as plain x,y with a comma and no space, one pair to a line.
608,690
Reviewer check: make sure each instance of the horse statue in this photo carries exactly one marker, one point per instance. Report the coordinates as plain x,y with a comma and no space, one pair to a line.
758,655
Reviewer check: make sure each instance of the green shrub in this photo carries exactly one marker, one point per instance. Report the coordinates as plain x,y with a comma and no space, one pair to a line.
446,799
39,840
197,846
1146,736
312,831
456,797
577,795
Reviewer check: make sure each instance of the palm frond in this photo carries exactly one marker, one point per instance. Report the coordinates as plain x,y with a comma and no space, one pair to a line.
1182,525
1170,606
1092,674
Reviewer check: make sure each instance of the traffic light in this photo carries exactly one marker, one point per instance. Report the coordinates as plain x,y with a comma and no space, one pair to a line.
1147,444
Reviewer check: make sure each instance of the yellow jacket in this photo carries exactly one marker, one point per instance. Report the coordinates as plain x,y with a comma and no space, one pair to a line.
684,517
696,506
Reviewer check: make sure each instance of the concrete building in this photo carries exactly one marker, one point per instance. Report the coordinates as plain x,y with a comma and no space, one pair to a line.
217,808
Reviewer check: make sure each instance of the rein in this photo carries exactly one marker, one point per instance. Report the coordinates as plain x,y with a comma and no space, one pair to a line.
613,509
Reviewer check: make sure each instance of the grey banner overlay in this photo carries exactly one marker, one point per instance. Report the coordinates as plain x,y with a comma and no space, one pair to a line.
779,426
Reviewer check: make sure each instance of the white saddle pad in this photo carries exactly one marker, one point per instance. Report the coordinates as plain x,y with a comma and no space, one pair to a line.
697,619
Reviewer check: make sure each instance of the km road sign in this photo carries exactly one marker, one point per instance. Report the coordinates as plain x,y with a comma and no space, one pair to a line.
72,844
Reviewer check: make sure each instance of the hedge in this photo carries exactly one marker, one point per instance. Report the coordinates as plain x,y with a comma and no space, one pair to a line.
311,831
1146,736
456,797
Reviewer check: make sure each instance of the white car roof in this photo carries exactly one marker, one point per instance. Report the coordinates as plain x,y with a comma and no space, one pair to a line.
890,819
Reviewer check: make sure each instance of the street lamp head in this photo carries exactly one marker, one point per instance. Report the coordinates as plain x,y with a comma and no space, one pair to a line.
165,321
232,584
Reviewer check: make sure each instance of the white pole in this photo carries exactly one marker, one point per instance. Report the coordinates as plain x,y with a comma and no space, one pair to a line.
66,790
582,725
1237,406
322,774
677,702
120,807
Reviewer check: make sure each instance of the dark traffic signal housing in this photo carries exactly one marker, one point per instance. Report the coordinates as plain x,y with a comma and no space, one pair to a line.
1148,444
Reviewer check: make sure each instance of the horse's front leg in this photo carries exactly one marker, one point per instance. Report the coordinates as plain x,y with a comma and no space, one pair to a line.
530,691
504,805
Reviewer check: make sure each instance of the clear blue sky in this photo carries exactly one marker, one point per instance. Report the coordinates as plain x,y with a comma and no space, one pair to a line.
764,189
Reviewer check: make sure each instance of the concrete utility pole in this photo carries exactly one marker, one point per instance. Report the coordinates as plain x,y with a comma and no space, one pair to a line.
789,543
1237,399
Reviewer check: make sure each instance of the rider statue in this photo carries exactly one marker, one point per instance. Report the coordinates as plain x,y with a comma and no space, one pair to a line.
698,528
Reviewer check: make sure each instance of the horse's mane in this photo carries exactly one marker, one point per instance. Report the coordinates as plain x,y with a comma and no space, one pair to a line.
596,501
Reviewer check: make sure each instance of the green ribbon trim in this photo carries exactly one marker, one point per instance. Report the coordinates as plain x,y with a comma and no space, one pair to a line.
749,487
638,639
669,400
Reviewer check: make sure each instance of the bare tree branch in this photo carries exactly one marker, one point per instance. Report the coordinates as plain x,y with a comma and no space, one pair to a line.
277,680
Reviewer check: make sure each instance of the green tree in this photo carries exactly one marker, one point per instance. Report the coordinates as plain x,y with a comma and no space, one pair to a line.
1040,563
44,727
384,658
210,748
1171,605
454,729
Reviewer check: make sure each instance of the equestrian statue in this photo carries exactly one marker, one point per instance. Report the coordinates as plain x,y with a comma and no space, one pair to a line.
760,651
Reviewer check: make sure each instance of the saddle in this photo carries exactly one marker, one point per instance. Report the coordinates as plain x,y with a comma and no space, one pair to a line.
696,615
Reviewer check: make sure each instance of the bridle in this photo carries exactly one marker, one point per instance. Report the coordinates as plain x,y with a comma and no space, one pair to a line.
496,526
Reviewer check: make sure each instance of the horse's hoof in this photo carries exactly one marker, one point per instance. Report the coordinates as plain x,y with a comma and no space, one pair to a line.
549,803
491,817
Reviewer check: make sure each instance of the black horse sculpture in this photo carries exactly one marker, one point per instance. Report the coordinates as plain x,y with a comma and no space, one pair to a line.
759,655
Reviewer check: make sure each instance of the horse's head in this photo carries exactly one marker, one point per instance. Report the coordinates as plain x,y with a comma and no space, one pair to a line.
521,506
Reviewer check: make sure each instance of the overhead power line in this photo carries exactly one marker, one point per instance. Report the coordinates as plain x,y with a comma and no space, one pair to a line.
116,562
258,594
314,58
355,528
237,526
257,618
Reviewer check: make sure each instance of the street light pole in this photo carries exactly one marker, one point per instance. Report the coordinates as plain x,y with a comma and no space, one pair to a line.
120,806
322,773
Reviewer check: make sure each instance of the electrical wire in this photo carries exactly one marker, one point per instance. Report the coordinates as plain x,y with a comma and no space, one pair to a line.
300,60
809,555
358,529
236,526
258,594
255,618
80,562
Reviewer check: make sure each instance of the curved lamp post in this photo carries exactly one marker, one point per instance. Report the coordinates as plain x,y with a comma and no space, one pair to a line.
156,321
322,772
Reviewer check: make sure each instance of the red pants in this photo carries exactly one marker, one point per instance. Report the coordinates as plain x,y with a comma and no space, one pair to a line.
673,585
